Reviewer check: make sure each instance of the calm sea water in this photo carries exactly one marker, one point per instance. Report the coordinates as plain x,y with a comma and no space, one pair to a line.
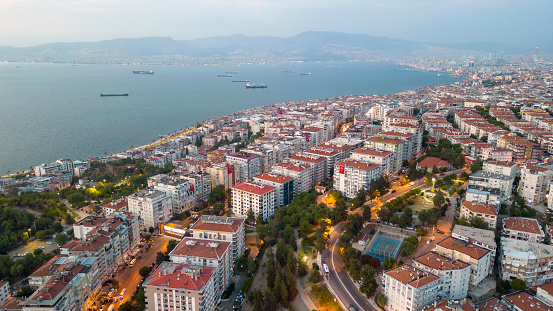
53,111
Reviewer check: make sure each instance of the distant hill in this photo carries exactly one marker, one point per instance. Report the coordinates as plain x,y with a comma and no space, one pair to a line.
307,46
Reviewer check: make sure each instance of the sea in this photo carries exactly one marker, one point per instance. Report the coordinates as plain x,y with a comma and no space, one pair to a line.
54,111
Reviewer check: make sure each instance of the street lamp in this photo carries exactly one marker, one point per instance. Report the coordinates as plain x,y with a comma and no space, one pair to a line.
433,181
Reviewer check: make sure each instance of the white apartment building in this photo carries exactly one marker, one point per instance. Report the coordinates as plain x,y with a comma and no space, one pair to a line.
119,205
318,164
180,190
534,183
497,154
284,187
410,289
302,174
483,195
224,174
545,293
382,158
222,229
398,147
454,274
209,253
352,175
479,258
154,207
175,286
520,228
505,168
404,127
332,156
250,164
479,237
495,181
409,138
201,185
4,291
529,261
261,199
485,211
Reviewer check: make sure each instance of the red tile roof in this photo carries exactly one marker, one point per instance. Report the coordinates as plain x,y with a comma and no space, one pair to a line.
274,178
430,162
358,165
200,248
522,224
471,250
373,152
178,278
480,208
252,188
412,276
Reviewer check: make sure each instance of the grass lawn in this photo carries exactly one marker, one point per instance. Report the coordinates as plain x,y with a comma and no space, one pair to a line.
323,299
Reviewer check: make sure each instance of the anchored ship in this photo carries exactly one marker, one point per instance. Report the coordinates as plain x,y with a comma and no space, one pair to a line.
122,94
225,76
240,80
261,86
143,72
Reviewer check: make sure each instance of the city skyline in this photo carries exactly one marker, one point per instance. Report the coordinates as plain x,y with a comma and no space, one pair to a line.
32,22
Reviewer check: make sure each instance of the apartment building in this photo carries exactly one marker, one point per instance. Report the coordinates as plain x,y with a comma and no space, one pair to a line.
479,237
534,183
180,190
352,175
545,293
268,158
250,164
416,130
525,229
209,253
505,168
222,229
4,291
302,174
382,158
409,139
524,301
495,181
529,261
479,258
409,288
483,195
456,305
119,205
176,286
332,156
497,154
429,163
485,211
398,147
523,149
284,187
318,164
154,207
454,274
201,185
315,135
224,174
261,199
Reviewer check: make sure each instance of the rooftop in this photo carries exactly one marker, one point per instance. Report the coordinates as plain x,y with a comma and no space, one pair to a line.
391,141
218,223
480,208
182,276
411,276
253,188
525,301
200,248
372,152
358,164
274,178
482,235
430,162
436,261
491,305
453,305
523,224
524,249
461,246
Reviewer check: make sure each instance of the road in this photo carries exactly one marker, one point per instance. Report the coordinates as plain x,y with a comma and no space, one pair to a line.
129,278
339,280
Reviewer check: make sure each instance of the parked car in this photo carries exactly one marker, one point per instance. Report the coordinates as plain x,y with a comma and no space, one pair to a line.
393,191
440,231
49,242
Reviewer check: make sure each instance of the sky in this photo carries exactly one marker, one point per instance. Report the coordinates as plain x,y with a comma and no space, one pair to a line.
33,22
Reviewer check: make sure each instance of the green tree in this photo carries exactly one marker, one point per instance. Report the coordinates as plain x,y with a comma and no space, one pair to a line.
250,216
354,269
61,239
368,286
258,300
518,284
476,166
25,291
37,252
58,227
171,245
160,257
271,273
144,271
340,211
270,303
381,300
390,263
305,227
406,218
127,306
281,295
478,222
151,229
354,224
320,240
367,213
439,199
115,283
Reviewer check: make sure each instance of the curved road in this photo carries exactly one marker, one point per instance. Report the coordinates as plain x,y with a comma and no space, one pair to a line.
339,280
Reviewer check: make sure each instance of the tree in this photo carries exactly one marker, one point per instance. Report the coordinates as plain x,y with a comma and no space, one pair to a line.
478,222
381,300
25,291
518,284
354,269
389,263
171,245
126,306
439,199
476,166
340,211
61,239
406,218
250,217
354,224
367,213
58,227
360,198
320,240
258,300
115,283
305,227
270,303
368,286
281,295
144,271
271,273
160,257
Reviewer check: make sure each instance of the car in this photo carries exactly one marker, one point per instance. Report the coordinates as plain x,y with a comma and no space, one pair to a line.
442,174
49,242
448,203
416,226
41,247
440,231
123,291
430,195
16,255
393,191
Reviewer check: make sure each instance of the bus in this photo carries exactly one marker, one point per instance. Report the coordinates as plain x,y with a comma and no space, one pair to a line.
325,269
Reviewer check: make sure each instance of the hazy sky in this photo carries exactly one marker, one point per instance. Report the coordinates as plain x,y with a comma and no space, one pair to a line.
31,22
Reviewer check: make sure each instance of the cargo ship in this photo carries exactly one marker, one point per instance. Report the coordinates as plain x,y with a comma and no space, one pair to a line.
122,94
236,72
225,76
306,74
143,72
288,71
240,80
261,86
